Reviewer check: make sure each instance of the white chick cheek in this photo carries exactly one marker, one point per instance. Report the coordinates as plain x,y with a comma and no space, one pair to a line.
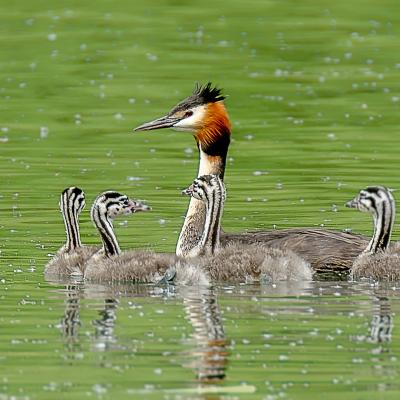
194,122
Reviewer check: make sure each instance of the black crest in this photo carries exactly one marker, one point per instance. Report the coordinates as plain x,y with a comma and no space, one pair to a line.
208,93
202,94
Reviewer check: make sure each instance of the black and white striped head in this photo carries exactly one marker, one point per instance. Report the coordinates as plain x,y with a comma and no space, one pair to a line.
72,198
373,199
205,187
113,204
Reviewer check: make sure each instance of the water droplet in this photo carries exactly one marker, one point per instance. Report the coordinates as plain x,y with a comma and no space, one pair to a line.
151,57
44,132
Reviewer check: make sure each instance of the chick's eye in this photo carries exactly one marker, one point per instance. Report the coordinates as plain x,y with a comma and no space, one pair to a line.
188,113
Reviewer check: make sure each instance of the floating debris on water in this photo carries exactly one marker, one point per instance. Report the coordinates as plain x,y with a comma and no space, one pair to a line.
259,173
151,57
331,136
44,132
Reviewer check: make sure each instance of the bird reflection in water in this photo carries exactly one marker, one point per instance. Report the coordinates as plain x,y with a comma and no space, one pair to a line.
382,321
70,322
208,353
104,337
209,356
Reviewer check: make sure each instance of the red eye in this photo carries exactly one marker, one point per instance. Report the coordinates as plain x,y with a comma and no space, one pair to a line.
188,114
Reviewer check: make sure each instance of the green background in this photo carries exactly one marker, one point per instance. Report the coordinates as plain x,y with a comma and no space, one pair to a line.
313,95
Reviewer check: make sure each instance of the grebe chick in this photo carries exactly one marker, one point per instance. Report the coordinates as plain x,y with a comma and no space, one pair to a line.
141,266
378,261
70,258
238,263
204,115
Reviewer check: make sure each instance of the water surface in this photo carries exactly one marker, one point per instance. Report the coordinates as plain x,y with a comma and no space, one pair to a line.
314,100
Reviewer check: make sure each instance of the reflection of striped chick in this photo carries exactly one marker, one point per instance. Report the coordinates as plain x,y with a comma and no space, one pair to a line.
110,264
377,261
238,263
72,255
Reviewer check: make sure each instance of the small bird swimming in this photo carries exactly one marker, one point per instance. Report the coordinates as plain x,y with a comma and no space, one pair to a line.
71,257
378,261
110,264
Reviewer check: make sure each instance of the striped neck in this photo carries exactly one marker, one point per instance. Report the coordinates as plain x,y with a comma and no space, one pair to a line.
214,208
105,227
209,242
383,215
212,162
70,215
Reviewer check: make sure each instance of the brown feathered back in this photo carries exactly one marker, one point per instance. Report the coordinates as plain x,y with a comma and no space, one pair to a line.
381,266
69,263
243,263
325,250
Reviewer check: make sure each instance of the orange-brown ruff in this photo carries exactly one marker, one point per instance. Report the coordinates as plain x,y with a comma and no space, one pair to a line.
216,125
325,250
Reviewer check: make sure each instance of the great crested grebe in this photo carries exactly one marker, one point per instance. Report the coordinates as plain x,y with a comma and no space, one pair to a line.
378,261
72,255
141,266
205,116
238,262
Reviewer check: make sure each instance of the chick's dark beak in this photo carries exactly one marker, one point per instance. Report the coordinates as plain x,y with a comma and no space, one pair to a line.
159,123
136,206
352,203
188,191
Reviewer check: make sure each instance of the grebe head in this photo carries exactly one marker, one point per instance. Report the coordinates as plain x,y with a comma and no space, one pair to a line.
73,198
204,187
371,199
113,204
203,113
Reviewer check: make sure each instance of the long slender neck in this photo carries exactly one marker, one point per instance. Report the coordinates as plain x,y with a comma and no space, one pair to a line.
209,241
212,226
105,227
383,224
71,221
213,143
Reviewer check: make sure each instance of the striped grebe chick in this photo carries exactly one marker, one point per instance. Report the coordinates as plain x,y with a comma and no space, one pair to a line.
71,257
139,266
378,261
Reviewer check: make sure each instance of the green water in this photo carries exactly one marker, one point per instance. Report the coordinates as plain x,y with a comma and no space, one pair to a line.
314,98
